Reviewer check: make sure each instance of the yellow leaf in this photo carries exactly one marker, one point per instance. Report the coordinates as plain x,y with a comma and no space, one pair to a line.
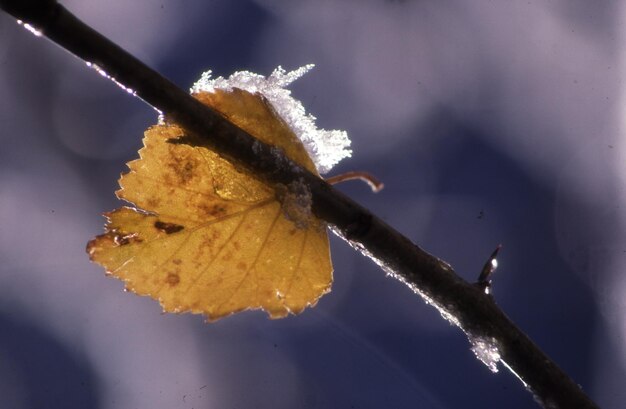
207,238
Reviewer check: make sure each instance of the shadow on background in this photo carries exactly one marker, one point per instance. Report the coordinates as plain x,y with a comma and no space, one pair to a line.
40,372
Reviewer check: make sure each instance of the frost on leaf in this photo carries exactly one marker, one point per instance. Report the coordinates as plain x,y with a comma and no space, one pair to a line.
207,238
326,148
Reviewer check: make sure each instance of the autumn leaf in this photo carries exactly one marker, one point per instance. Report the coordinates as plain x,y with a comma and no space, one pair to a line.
206,238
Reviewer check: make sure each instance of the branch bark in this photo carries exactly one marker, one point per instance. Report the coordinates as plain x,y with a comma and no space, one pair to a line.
465,304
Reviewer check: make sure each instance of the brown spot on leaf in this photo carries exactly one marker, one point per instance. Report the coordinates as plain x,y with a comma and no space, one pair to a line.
241,265
172,279
182,164
188,167
218,210
168,228
183,168
153,202
213,210
207,241
177,261
124,239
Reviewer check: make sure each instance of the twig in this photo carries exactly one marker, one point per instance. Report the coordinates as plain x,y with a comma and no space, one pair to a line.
484,279
459,301
371,180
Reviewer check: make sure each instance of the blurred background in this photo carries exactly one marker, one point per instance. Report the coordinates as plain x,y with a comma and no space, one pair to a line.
489,122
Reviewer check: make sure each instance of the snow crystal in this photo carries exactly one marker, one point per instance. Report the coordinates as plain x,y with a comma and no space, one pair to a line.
485,348
487,351
326,148
30,28
446,313
107,76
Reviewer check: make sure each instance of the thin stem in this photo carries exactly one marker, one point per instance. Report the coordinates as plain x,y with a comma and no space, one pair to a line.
372,181
484,279
461,302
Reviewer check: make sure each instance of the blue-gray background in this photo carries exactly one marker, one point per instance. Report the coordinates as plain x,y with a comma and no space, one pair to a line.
489,122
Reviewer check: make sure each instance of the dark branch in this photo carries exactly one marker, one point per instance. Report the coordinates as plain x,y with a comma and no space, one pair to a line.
466,305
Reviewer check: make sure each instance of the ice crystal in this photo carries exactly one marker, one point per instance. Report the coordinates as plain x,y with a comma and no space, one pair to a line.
326,148
487,351
446,313
485,348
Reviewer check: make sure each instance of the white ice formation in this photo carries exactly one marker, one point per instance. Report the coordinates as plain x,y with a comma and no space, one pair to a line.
326,148
487,351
